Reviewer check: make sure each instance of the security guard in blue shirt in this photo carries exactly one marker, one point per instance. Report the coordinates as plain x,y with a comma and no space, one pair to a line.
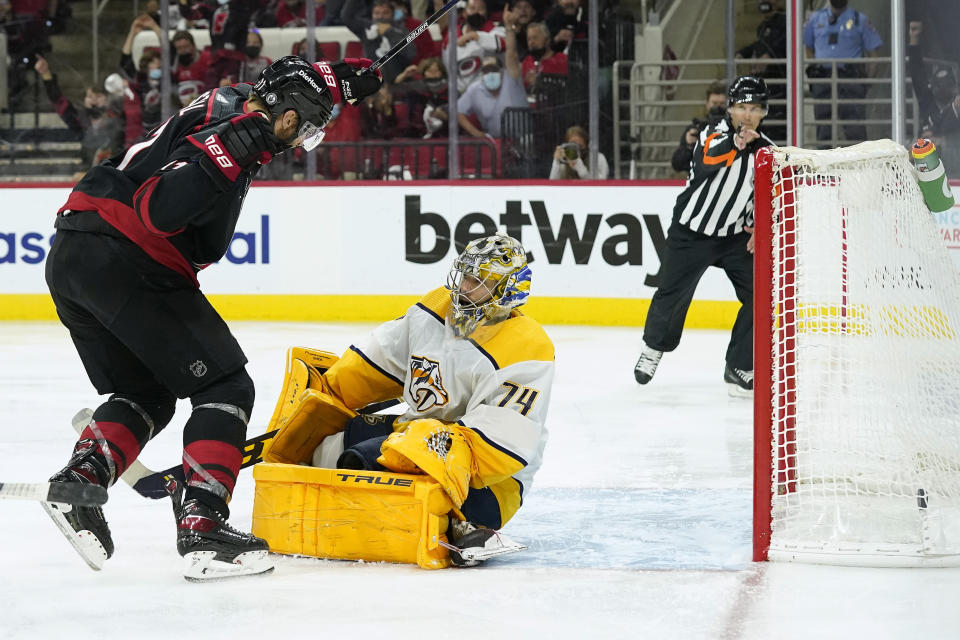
837,31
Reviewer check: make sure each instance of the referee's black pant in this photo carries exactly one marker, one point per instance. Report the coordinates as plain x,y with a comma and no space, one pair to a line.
685,260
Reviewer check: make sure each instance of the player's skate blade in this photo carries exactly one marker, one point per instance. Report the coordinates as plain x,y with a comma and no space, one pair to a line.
201,566
84,541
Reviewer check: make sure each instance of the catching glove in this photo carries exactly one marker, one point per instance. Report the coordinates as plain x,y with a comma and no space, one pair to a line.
356,82
239,145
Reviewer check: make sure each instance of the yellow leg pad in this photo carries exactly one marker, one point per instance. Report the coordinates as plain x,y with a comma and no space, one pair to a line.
303,370
351,515
315,416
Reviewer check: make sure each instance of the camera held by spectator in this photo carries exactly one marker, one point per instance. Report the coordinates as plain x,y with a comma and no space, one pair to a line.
570,159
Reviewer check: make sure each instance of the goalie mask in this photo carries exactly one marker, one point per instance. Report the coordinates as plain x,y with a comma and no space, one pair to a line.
487,281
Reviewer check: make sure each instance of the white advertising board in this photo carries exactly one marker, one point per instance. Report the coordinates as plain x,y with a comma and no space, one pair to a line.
584,241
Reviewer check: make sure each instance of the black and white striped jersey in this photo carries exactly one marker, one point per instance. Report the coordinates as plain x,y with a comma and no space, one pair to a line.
718,198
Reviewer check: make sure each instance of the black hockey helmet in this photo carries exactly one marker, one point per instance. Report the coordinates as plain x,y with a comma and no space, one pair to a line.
751,89
293,83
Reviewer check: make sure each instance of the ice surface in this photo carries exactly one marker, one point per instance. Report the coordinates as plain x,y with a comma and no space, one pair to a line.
638,523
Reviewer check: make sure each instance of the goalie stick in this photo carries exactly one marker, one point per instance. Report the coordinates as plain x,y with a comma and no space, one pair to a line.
153,484
83,495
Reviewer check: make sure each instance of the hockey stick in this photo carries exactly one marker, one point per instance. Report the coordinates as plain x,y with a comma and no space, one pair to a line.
397,48
75,493
153,484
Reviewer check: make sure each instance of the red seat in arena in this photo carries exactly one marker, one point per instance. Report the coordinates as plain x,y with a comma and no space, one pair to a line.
328,50
354,49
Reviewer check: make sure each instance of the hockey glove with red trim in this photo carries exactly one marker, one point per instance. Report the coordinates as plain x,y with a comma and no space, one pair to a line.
354,81
238,146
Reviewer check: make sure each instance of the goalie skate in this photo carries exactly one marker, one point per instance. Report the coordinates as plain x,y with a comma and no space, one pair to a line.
474,545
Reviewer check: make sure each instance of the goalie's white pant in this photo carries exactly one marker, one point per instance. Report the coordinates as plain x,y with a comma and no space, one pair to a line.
325,456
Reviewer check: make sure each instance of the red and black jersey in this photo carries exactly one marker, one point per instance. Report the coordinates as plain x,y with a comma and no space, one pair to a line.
158,196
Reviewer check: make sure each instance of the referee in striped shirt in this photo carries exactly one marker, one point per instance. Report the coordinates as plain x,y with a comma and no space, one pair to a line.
712,226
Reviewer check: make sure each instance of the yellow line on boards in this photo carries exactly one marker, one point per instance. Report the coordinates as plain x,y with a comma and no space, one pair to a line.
632,312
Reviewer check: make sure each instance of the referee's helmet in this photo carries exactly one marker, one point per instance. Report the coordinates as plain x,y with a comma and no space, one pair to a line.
750,89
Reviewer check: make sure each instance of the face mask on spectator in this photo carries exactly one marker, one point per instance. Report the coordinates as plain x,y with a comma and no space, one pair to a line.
717,112
537,53
155,74
185,59
838,4
252,51
476,20
335,113
435,85
398,15
492,80
94,112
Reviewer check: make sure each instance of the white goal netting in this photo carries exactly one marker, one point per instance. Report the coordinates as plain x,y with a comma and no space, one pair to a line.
865,349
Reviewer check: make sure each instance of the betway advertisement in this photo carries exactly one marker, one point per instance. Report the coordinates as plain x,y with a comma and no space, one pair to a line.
584,241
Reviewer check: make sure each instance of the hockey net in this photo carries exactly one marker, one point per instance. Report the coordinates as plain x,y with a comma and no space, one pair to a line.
857,363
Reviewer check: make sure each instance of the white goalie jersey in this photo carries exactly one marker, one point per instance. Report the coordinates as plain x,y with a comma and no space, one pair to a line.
495,383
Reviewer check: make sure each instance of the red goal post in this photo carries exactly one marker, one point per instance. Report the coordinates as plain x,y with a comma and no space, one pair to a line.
856,354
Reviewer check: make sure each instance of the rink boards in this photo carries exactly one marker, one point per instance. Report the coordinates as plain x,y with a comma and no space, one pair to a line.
364,251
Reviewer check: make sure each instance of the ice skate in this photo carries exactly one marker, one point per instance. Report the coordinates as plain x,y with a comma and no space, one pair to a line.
84,527
213,550
647,364
471,545
739,382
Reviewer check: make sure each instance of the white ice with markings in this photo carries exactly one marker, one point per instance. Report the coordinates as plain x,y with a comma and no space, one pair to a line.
638,524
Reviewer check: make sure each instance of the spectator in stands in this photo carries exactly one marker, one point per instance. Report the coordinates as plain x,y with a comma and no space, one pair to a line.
715,108
426,47
525,13
498,89
425,91
771,42
837,31
541,58
144,78
293,13
378,32
477,38
936,93
570,159
379,115
122,99
100,129
191,64
188,91
253,63
567,22
937,100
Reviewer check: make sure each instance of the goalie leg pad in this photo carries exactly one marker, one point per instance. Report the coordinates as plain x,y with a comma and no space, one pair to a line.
297,378
351,515
435,448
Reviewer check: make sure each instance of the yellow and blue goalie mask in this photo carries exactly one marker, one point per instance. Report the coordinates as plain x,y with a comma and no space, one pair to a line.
487,280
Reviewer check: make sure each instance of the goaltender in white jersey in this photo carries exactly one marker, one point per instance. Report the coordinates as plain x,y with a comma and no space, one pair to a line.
475,374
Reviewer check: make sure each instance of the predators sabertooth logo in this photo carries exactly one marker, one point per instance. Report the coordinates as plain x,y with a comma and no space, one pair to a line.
426,385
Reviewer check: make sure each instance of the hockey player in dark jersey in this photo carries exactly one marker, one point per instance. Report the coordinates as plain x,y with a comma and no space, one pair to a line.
122,272
712,223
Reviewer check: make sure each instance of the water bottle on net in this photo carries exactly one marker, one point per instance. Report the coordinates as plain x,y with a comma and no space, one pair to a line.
931,176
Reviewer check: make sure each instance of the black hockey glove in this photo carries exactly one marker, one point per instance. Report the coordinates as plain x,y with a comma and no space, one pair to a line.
243,142
356,83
